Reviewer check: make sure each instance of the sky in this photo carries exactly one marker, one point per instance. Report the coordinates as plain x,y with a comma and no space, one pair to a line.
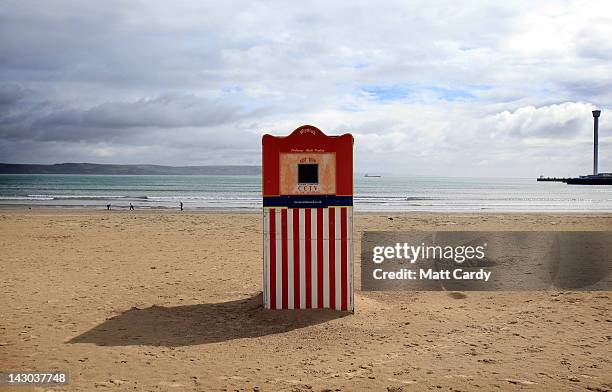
444,88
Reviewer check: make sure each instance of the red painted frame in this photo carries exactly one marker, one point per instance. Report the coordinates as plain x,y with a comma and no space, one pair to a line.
307,138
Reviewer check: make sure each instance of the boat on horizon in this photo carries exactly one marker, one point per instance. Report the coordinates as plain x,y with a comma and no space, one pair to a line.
372,175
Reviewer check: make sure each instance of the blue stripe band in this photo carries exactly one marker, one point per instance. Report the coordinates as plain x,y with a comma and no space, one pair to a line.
308,201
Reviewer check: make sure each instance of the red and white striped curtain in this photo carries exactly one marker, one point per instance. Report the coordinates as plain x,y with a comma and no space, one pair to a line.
308,258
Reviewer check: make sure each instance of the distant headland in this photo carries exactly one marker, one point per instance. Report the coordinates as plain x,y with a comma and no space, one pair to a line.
109,169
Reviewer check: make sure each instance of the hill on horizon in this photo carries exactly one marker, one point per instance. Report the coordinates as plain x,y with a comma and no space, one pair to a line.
111,169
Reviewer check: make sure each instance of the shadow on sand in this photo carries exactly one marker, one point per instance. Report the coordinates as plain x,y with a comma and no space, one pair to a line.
200,324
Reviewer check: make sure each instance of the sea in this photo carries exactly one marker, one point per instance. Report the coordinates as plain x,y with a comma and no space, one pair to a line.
243,193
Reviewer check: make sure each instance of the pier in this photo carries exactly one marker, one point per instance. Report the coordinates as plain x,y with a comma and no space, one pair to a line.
553,179
599,179
596,178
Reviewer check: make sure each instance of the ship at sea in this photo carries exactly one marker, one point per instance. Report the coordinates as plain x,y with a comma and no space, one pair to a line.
373,175
591,179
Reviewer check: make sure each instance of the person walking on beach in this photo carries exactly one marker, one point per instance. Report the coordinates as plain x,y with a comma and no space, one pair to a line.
131,207
181,206
108,206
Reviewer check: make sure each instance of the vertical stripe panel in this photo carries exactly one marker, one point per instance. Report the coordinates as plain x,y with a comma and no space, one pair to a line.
266,250
308,278
308,258
351,260
272,281
302,263
315,263
343,259
332,257
295,222
289,265
279,259
337,267
326,243
320,258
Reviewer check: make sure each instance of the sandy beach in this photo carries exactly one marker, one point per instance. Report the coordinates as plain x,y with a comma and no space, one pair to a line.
157,301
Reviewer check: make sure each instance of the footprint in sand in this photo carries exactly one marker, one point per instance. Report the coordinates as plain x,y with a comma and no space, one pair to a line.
457,295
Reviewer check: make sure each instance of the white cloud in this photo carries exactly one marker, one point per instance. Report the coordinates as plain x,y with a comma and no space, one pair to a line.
562,121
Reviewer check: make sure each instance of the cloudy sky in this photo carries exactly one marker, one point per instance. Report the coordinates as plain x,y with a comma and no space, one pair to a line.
433,87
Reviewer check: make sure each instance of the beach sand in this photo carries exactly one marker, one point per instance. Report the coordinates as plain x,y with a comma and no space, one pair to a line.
158,301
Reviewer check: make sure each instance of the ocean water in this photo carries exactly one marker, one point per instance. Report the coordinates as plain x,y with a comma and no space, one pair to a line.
424,194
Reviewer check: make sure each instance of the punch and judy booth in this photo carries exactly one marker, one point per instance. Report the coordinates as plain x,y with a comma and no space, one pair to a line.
308,220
